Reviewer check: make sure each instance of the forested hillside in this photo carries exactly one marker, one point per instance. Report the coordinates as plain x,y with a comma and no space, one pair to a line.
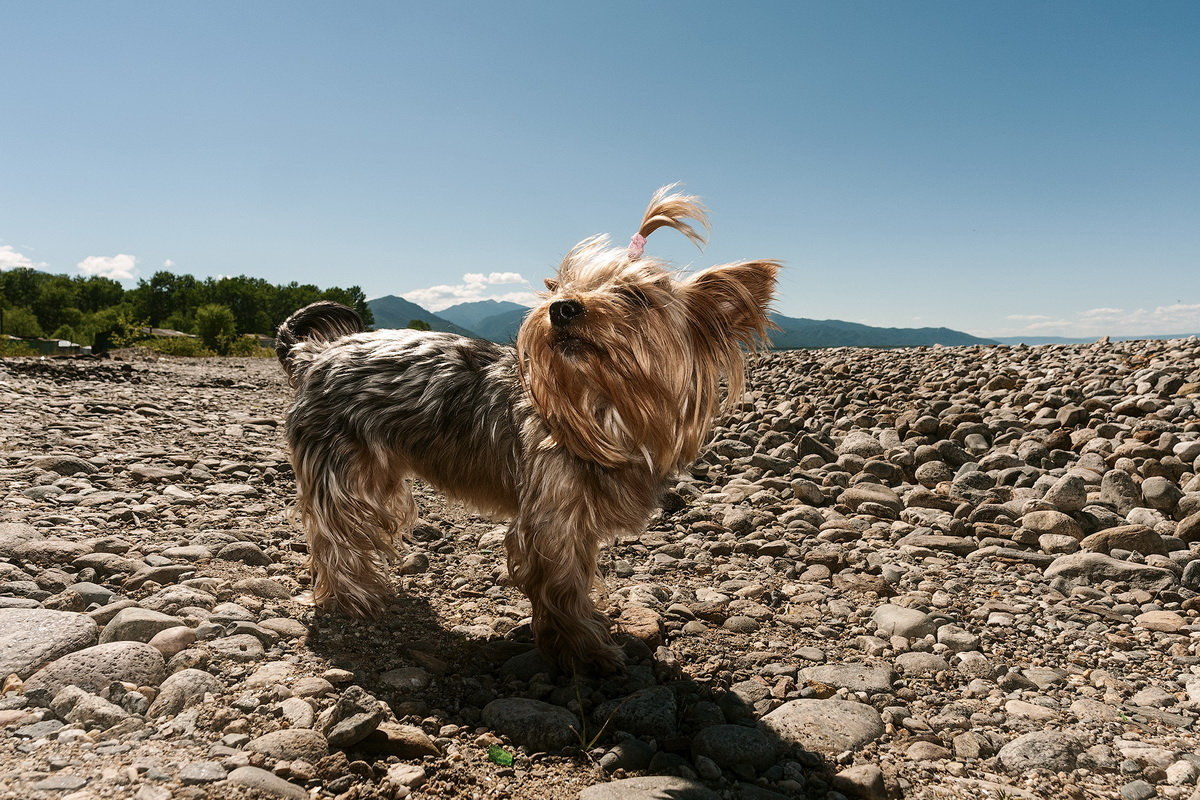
80,308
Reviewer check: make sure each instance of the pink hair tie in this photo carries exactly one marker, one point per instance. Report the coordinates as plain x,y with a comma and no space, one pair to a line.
637,243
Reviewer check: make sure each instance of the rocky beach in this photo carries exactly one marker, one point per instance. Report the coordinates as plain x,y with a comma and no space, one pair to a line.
965,572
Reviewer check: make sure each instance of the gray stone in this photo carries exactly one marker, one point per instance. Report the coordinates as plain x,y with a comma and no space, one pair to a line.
856,677
1118,489
1069,493
240,647
290,744
863,781
137,625
32,638
532,723
1055,751
659,787
1085,568
921,663
731,746
264,782
352,718
199,772
182,689
648,712
245,552
60,782
95,667
892,620
829,727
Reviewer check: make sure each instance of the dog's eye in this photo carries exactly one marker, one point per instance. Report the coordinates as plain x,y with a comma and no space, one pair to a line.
635,296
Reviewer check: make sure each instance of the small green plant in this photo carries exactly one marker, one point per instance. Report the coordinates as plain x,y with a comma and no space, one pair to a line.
585,743
498,755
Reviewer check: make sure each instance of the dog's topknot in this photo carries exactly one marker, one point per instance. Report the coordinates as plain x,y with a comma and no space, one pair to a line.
323,321
672,210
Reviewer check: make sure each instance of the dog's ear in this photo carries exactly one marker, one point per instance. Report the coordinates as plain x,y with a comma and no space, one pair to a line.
551,284
733,298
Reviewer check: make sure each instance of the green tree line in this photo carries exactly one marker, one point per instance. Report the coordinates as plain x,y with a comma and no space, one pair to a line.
82,308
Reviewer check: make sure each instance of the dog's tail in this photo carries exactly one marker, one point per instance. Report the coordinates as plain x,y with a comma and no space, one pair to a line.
320,322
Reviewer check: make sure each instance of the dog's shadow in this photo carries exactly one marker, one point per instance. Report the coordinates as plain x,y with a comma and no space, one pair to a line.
456,676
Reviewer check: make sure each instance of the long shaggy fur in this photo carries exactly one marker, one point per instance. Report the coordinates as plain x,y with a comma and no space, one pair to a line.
571,435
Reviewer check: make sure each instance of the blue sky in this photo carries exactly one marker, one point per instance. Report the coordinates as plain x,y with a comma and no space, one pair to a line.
998,168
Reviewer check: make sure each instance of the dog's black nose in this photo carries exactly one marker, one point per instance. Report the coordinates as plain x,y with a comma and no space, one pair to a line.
563,311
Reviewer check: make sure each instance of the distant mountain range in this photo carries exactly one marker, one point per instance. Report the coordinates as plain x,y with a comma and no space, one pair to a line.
471,315
498,321
396,312
798,333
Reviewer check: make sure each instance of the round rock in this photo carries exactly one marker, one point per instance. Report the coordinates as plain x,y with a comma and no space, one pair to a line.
1051,750
290,744
533,723
94,668
733,745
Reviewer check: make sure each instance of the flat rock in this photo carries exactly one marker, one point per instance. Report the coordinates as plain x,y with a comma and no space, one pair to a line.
856,677
825,726
265,783
1084,568
32,638
1137,538
892,620
659,787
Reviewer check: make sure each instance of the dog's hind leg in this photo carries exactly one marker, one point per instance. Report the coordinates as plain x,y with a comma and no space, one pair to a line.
354,506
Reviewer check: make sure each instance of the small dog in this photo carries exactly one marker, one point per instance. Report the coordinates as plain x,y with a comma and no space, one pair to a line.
611,389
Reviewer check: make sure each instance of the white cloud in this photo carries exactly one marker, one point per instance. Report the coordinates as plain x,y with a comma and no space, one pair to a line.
168,263
120,267
475,286
1176,318
11,259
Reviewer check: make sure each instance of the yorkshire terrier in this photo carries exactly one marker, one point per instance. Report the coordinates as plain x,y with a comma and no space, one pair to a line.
611,390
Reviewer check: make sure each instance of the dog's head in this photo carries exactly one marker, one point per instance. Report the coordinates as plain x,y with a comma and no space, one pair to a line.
625,360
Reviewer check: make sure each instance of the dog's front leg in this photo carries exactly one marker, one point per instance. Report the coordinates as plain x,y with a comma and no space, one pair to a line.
552,558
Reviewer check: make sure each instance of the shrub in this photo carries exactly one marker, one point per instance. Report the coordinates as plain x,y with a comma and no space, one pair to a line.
178,346
215,326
